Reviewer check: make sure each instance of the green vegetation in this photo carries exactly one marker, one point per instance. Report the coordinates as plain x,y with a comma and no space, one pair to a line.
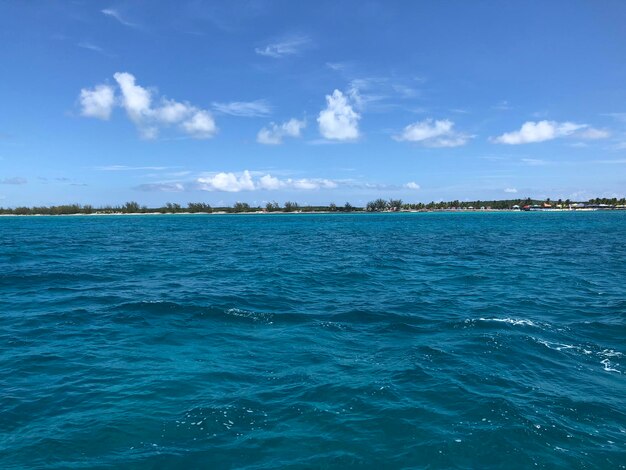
378,205
242,207
272,207
195,207
291,206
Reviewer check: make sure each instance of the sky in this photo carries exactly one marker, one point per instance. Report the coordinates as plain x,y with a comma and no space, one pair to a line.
315,102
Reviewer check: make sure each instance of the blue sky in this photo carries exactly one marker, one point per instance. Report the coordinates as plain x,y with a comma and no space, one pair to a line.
318,102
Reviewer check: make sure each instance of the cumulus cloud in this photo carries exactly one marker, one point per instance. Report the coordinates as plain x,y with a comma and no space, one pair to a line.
274,134
200,125
97,102
510,190
229,182
258,108
338,121
290,46
540,131
245,181
306,183
269,182
149,113
233,182
135,99
432,133
171,111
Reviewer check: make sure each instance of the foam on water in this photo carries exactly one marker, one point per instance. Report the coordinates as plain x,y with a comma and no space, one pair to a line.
511,321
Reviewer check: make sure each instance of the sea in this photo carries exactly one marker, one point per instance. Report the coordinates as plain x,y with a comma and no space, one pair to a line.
409,340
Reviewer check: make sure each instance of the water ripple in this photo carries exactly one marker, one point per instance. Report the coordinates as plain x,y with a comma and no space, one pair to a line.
399,340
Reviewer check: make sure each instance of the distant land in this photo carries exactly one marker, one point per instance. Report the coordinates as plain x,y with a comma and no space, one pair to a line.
378,205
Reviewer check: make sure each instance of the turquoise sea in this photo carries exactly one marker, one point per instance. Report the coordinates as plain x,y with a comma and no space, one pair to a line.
429,340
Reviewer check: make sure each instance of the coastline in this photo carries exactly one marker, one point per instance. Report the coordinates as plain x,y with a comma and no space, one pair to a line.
449,211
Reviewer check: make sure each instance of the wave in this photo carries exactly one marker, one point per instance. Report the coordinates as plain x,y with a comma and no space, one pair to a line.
511,321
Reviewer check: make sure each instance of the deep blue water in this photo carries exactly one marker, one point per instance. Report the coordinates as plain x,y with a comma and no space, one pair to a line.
400,340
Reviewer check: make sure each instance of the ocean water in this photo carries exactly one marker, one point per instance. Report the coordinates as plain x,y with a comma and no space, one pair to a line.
431,340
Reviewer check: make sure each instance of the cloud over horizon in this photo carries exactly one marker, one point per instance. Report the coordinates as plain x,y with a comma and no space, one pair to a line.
248,181
244,181
541,131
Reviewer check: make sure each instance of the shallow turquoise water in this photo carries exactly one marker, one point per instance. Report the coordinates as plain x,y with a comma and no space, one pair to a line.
398,340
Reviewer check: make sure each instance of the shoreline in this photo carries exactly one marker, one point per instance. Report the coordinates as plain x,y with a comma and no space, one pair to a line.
452,211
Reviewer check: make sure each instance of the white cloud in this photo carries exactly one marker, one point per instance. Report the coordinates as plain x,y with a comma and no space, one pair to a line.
172,111
248,180
510,190
201,125
540,131
97,102
338,121
135,99
433,133
233,182
284,48
227,182
110,12
276,132
140,108
258,108
306,183
269,182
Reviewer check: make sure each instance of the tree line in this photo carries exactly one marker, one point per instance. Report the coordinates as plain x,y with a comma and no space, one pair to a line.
377,205
133,207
